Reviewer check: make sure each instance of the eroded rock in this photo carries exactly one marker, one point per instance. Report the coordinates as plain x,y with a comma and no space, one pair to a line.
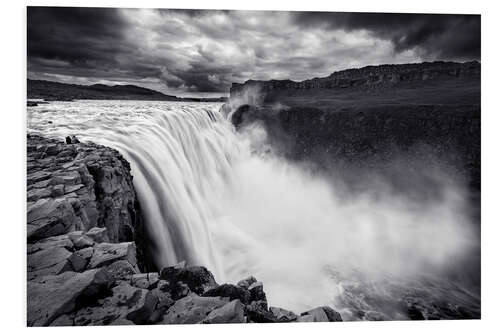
192,309
52,296
145,280
282,315
320,314
232,312
231,291
106,253
50,261
81,186
197,278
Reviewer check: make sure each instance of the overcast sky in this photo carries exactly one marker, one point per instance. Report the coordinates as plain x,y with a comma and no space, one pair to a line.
184,52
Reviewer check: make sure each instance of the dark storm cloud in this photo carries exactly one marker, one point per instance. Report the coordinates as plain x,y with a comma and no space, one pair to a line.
196,50
80,36
444,35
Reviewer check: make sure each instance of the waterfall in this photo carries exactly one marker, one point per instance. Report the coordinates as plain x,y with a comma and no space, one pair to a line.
180,157
210,196
181,165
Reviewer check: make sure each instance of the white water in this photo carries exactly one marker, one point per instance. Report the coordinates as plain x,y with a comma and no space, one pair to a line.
212,198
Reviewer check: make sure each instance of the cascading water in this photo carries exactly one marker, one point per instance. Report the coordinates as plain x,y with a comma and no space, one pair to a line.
180,156
211,197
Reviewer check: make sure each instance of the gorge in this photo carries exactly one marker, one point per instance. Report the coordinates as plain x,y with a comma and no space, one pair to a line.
357,192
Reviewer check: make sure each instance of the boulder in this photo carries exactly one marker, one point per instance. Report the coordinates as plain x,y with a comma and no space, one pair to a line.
177,289
306,319
125,299
55,295
231,291
164,303
51,242
82,241
197,278
57,190
245,283
121,270
320,314
72,140
232,312
316,314
256,313
282,315
80,259
257,293
145,280
125,295
40,176
106,253
192,309
331,314
38,193
92,316
50,217
98,235
50,261
143,313
72,188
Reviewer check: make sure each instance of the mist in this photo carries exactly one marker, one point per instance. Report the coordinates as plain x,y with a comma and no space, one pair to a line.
293,229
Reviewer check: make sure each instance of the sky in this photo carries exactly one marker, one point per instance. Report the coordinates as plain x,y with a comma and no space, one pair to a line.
202,52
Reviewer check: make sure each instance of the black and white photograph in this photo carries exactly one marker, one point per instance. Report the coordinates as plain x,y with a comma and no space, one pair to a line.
227,166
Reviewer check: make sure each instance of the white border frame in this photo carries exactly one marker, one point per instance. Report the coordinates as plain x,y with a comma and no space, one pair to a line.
13,164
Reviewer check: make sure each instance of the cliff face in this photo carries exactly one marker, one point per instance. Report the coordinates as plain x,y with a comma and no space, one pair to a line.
87,254
359,121
78,187
370,78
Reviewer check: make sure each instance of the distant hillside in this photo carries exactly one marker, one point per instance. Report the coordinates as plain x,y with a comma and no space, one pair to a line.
385,85
358,121
49,90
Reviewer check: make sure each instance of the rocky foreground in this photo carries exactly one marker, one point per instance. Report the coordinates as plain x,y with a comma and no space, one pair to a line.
87,253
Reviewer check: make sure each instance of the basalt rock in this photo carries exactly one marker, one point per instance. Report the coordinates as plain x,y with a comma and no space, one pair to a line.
117,294
85,251
231,291
192,309
53,295
320,314
82,187
232,312
283,315
197,278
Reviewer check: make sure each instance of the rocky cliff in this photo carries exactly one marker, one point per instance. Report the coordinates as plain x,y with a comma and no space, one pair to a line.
87,255
362,80
74,187
367,120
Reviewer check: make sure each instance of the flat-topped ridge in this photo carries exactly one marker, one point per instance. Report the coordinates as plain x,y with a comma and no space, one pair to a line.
371,77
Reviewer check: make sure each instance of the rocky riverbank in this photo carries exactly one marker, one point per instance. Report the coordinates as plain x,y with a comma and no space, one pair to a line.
87,253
